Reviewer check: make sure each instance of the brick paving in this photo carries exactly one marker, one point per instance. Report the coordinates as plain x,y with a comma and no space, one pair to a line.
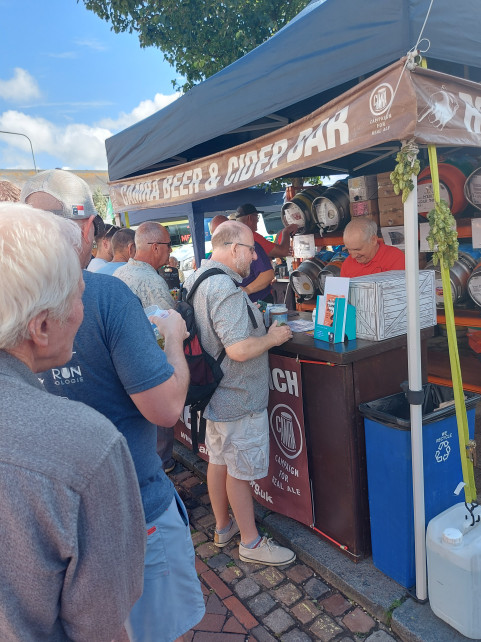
253,603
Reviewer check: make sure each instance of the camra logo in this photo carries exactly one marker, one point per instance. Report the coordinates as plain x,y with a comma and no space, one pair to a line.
286,430
67,375
381,99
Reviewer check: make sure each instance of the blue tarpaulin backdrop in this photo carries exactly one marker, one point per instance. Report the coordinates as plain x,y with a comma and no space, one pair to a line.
322,52
330,43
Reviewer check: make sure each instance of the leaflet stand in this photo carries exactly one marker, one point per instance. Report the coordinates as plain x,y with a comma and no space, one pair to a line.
335,333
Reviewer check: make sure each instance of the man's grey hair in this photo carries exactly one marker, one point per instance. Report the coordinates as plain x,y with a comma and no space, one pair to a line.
148,232
228,232
40,268
362,224
122,239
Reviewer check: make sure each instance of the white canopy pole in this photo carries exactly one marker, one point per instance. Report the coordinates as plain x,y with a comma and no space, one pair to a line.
415,384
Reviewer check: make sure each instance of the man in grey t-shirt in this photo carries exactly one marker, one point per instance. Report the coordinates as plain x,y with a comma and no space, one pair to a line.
237,433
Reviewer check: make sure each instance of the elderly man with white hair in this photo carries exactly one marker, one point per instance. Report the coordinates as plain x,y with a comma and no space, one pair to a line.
118,369
68,486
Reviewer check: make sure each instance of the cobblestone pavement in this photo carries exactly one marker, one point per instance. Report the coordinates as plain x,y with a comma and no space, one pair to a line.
248,602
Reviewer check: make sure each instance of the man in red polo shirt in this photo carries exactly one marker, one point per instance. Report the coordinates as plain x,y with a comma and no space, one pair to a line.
367,253
249,215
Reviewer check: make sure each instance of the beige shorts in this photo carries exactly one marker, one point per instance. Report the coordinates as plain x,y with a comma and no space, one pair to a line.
242,445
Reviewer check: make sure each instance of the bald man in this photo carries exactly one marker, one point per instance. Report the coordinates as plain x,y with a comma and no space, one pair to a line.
367,253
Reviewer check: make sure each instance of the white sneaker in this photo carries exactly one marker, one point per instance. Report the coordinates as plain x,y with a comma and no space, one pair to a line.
222,539
266,552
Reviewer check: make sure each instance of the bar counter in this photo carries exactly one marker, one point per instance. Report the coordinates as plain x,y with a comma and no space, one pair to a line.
335,380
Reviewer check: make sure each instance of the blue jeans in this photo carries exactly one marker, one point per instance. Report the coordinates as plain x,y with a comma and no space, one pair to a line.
172,601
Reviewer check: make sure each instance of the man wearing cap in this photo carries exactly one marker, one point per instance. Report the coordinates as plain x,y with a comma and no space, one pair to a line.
367,253
104,248
67,481
123,247
258,284
118,369
249,215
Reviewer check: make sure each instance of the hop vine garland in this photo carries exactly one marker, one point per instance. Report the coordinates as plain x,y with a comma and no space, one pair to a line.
407,165
443,236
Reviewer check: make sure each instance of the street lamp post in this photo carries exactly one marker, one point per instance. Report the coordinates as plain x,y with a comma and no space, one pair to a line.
31,146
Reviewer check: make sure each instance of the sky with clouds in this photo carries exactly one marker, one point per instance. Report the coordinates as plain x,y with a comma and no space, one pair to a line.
68,82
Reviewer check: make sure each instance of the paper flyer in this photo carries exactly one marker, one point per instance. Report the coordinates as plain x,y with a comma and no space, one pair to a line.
335,287
303,246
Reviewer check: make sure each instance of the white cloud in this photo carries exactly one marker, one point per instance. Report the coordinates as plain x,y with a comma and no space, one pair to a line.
91,43
63,54
143,110
21,87
76,145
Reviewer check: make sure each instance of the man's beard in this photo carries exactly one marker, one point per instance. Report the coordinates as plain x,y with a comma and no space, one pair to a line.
243,267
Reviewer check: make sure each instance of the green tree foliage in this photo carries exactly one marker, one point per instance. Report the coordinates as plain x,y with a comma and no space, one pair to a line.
198,37
100,202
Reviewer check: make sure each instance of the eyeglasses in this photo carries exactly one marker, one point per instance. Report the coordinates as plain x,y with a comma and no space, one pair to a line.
252,248
169,243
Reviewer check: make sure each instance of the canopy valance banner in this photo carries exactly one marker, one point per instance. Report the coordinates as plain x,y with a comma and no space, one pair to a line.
394,104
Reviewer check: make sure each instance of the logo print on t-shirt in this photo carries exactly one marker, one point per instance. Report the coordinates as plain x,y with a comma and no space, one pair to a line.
67,375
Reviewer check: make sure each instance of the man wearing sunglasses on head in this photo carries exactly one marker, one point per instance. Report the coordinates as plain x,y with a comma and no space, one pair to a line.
152,250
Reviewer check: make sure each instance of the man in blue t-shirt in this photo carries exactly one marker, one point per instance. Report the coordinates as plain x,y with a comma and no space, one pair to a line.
118,369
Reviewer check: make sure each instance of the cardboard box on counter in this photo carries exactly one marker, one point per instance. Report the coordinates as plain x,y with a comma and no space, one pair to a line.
381,301
362,188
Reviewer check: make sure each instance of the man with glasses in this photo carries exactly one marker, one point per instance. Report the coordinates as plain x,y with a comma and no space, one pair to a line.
237,432
105,253
152,250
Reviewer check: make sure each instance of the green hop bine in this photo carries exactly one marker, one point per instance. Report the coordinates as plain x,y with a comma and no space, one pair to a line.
443,236
401,177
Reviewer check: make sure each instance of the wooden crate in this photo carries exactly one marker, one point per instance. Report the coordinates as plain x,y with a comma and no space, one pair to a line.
380,302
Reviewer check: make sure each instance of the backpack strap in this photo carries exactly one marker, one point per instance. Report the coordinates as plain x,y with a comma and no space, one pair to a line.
205,275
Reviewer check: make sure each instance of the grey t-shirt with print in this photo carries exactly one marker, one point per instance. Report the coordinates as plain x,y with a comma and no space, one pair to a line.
222,320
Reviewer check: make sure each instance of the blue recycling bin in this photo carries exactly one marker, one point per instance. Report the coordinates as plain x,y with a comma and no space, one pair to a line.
389,472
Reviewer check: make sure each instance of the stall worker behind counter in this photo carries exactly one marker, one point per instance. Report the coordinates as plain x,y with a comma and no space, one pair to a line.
367,253
249,215
257,285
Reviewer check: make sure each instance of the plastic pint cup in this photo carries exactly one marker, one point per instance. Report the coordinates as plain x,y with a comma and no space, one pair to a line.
278,313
